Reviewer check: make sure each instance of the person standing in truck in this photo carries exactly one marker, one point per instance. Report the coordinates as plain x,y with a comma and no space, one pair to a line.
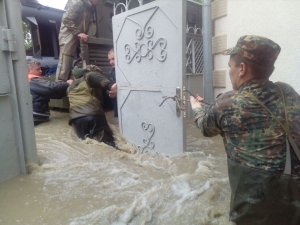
74,27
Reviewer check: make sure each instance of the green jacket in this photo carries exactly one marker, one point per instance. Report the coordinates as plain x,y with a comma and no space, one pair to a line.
85,93
77,16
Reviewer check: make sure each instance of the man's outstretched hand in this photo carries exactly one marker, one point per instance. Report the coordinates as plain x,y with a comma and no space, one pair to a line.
196,102
69,82
113,91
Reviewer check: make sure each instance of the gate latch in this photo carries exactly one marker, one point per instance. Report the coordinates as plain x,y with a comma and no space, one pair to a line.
180,103
7,42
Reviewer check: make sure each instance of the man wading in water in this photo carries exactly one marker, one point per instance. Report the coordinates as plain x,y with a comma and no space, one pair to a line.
260,124
87,115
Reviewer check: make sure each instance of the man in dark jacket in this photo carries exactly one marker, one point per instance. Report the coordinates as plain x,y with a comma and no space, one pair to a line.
42,91
86,111
112,77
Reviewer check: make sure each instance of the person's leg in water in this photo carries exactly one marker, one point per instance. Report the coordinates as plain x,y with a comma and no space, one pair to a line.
105,135
94,127
37,121
115,106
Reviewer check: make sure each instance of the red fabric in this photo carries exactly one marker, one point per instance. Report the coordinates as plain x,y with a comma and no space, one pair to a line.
31,76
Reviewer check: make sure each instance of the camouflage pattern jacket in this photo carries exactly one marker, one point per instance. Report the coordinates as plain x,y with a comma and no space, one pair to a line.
85,93
77,17
250,134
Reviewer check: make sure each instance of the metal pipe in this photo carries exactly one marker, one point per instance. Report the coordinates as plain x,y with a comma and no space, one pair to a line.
23,115
207,50
54,40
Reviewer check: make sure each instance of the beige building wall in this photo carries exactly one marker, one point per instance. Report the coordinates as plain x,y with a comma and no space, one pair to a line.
219,43
275,19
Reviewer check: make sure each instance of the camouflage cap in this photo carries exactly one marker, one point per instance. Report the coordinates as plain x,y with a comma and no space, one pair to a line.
94,68
256,49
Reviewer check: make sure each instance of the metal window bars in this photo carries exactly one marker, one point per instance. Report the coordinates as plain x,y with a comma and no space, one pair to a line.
194,50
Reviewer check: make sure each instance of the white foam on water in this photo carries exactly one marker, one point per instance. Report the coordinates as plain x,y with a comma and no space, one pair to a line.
86,182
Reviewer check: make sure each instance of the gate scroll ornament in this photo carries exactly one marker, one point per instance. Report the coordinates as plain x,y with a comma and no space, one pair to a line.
150,128
125,6
149,47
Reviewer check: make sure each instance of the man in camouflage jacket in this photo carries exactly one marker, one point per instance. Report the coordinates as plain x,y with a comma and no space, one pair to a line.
86,112
74,26
263,167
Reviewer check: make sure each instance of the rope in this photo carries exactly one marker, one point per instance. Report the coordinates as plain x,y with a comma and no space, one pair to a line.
175,98
205,103
178,102
82,55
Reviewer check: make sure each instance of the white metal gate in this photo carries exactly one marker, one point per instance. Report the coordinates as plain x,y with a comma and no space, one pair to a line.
150,54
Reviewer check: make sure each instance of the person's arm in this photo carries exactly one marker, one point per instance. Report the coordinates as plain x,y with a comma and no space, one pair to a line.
54,90
97,80
207,118
113,91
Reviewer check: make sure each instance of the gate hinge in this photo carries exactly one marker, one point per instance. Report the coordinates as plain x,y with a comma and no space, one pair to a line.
7,42
183,101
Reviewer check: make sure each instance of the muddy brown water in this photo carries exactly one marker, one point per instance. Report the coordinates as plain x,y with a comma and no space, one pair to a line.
86,182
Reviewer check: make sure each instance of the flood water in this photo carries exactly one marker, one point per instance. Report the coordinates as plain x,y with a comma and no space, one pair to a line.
86,182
